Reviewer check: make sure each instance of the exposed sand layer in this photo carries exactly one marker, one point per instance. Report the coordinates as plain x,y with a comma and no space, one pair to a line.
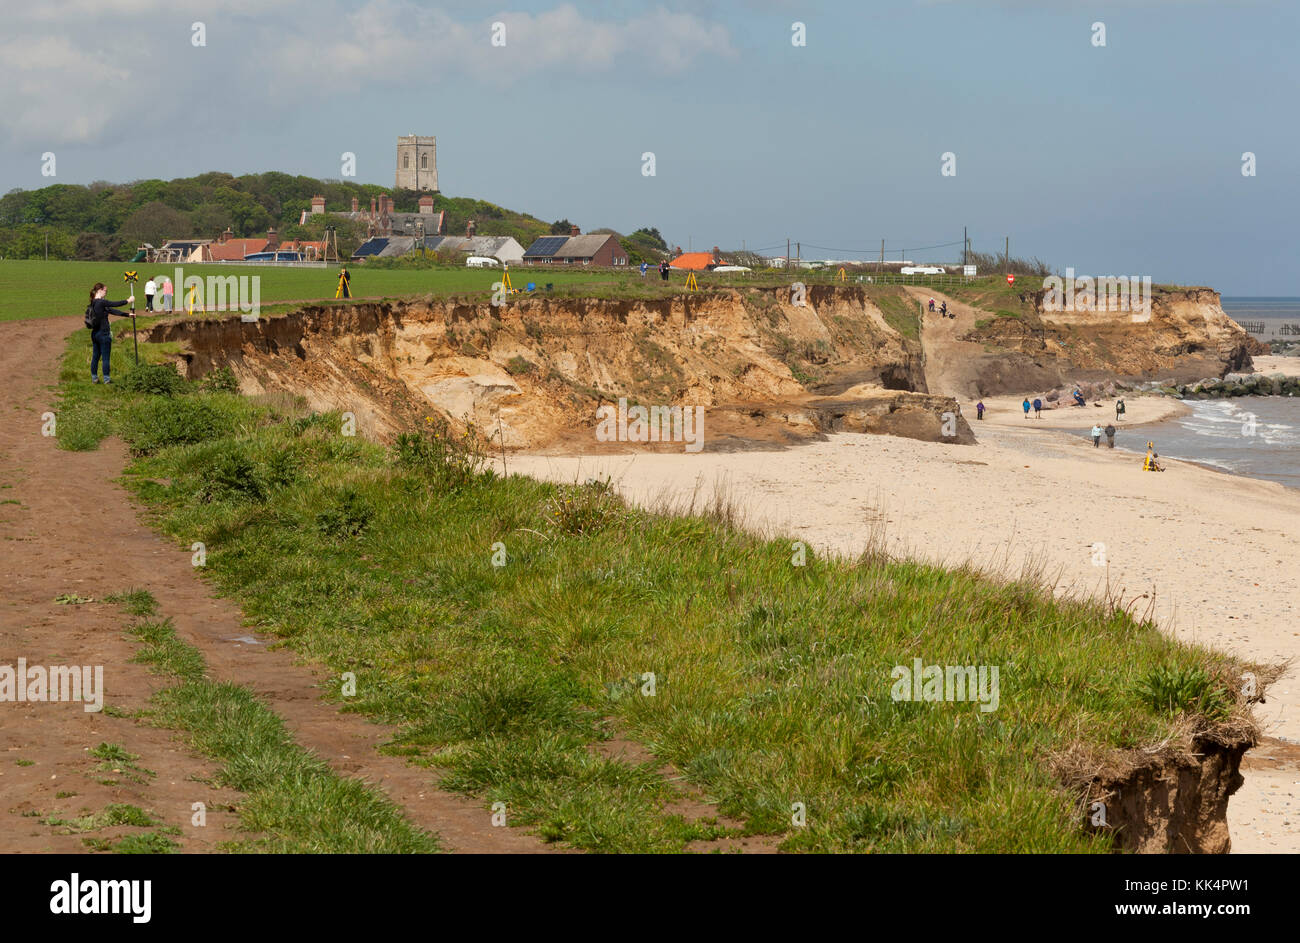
1219,552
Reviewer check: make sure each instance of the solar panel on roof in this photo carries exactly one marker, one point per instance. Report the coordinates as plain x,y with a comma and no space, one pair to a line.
371,247
547,245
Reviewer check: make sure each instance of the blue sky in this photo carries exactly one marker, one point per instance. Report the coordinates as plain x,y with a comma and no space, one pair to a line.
1117,160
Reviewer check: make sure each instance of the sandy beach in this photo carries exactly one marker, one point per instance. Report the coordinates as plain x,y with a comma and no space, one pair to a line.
1218,552
1287,366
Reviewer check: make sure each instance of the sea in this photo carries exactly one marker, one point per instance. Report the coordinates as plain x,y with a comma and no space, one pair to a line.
1254,436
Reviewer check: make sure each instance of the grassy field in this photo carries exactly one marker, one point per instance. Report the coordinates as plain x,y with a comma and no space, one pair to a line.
45,289
508,627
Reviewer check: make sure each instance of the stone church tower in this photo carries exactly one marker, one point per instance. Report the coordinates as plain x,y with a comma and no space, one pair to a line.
417,163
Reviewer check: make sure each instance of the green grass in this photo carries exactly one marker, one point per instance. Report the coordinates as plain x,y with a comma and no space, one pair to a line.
33,289
900,309
292,798
772,681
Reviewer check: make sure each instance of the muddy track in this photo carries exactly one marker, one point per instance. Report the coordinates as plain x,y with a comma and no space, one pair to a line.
69,527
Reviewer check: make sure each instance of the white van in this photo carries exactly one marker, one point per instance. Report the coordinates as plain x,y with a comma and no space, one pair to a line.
481,261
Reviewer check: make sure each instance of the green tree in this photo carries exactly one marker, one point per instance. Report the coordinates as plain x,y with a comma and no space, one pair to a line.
155,223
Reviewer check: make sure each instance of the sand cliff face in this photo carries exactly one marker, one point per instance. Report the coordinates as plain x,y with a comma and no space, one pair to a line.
767,371
1184,335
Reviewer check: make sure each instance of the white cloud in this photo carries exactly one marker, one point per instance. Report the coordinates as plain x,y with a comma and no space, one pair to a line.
71,70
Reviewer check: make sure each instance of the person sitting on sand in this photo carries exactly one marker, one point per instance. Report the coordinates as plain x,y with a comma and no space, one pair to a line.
1078,397
1151,462
1025,407
1096,435
979,410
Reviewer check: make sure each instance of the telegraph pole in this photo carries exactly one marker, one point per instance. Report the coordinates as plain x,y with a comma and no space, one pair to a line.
1006,255
964,242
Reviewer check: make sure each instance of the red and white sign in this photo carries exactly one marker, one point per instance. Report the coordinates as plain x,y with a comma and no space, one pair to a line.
1011,279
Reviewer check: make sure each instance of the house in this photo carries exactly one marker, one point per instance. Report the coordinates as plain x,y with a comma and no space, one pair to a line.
697,261
502,248
576,249
382,220
227,248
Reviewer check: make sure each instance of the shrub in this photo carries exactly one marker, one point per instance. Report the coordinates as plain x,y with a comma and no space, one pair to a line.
348,515
153,424
156,379
220,380
585,509
452,461
233,477
518,366
1184,690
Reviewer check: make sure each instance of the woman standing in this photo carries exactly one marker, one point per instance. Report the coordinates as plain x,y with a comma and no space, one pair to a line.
101,335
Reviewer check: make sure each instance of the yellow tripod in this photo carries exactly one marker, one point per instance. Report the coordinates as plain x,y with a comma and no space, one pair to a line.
691,283
345,285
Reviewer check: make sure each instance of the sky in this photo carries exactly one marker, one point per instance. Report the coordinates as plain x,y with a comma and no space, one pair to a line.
1122,159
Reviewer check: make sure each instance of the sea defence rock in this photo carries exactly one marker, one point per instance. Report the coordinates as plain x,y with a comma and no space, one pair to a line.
1237,384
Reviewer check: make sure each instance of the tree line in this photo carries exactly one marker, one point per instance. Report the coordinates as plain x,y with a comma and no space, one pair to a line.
110,221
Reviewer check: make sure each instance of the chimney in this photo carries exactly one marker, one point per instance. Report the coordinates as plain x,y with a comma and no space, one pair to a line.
221,240
271,239
426,205
317,204
470,229
354,204
575,231
715,254
372,206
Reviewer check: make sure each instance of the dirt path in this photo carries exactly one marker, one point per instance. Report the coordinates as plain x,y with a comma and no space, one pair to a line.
68,527
950,363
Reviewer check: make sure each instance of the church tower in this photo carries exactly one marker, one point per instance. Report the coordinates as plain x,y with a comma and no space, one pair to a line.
417,163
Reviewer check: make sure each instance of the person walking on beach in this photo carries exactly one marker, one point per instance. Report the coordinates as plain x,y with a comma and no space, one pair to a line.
979,410
1119,408
101,335
1096,436
1025,407
1110,434
1038,408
